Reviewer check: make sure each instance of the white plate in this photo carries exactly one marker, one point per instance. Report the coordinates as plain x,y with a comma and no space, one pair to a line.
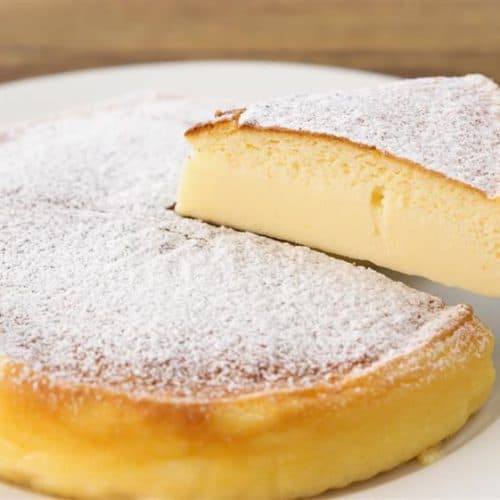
470,466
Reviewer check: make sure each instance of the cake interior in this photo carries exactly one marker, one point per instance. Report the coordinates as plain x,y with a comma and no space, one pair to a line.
344,199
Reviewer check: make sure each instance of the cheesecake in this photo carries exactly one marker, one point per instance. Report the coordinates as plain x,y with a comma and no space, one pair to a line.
147,355
405,175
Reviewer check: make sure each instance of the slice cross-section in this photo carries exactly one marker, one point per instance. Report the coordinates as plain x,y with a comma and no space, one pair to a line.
406,175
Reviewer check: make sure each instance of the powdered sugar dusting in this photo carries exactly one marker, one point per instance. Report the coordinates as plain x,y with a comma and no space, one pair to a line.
116,291
183,307
449,125
124,155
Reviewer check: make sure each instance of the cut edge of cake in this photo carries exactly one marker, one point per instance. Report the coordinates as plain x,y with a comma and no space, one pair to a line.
218,174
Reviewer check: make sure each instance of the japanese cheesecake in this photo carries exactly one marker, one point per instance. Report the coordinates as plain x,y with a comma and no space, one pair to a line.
406,175
144,355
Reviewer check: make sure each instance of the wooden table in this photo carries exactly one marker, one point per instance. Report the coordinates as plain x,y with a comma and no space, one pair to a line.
404,37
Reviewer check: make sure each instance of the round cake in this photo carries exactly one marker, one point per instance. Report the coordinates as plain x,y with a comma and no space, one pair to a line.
145,355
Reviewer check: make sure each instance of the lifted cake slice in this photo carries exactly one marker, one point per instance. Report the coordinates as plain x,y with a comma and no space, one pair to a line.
406,175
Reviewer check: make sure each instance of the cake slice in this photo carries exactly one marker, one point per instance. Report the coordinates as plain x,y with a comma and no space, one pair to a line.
406,175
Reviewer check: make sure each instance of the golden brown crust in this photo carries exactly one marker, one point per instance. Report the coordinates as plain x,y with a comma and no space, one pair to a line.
269,445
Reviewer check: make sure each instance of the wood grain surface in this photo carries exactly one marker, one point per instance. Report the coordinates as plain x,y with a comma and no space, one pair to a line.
404,37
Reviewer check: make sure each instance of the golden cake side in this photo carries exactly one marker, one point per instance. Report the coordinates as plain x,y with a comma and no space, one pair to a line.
86,441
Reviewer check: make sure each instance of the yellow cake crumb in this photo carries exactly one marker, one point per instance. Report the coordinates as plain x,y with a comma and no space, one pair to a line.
430,455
